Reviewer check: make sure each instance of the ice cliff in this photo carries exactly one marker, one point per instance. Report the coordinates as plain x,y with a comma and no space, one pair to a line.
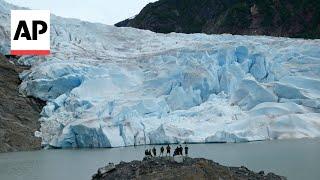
110,87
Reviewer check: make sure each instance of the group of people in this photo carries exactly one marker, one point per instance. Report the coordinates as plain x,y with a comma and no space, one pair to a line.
178,151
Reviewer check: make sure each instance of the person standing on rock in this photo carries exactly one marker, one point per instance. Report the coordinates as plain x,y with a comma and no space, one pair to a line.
176,151
150,152
186,150
154,150
161,150
181,150
168,150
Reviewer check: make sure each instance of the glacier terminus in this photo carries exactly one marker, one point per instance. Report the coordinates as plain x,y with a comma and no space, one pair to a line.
110,87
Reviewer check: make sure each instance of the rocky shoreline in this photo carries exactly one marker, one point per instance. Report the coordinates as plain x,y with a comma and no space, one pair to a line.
173,168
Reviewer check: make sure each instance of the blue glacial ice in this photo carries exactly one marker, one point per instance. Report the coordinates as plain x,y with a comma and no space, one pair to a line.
110,87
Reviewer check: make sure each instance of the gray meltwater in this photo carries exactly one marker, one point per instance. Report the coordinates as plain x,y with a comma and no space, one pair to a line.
295,159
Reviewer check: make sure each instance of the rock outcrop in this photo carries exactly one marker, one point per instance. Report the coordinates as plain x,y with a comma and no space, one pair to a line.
167,168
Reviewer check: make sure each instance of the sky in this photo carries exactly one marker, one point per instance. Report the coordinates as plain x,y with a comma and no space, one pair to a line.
103,11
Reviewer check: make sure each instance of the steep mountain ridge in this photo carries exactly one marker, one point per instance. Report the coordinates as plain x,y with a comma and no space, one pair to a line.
286,18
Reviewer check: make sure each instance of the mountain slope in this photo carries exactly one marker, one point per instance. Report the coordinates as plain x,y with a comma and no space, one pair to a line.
18,115
109,87
287,18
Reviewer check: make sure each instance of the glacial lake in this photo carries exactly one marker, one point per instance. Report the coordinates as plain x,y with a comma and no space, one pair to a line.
295,159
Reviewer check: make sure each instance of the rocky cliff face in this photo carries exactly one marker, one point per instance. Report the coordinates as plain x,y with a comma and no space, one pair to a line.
288,18
18,115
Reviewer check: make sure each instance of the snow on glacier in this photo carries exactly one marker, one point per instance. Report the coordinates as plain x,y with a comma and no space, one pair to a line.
110,87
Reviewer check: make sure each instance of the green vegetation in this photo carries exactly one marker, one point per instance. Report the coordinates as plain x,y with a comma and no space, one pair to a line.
292,18
267,10
238,15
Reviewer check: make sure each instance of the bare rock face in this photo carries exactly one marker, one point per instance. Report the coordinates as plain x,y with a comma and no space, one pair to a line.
167,168
18,115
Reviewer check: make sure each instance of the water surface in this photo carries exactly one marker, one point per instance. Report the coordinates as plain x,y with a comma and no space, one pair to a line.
295,159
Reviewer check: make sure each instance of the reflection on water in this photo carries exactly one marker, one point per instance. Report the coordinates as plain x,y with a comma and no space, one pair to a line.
295,159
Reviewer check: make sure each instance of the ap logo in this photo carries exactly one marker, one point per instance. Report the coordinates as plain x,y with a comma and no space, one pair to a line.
30,32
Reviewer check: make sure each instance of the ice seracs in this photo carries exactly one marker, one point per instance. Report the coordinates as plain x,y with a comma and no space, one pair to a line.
110,87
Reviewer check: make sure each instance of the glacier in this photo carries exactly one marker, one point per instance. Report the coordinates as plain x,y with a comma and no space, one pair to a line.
110,87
